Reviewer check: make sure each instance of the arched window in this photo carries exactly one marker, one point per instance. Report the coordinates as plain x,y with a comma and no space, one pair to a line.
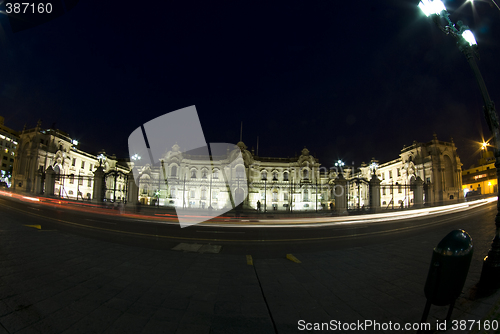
173,171
216,174
285,176
204,174
264,175
193,173
305,174
275,176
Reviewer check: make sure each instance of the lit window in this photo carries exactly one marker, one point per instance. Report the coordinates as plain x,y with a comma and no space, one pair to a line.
216,174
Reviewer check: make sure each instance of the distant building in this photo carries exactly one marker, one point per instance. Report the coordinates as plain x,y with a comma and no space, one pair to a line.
8,149
481,178
44,148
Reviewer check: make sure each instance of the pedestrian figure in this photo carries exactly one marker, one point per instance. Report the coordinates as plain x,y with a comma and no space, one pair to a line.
258,205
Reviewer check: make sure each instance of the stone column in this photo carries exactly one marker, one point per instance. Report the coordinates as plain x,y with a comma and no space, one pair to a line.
132,190
50,181
374,189
418,193
340,193
98,194
39,181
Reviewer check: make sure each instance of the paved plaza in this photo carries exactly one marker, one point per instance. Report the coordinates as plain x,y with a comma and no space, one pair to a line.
55,282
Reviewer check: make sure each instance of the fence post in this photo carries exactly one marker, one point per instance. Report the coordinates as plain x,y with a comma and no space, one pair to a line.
418,194
50,181
98,195
132,190
340,196
374,189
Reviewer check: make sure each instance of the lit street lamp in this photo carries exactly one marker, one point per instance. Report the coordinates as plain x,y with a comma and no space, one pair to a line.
490,275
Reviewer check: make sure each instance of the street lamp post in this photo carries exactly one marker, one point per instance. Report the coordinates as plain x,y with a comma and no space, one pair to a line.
490,275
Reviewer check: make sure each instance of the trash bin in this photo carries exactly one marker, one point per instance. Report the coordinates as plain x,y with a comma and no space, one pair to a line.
449,267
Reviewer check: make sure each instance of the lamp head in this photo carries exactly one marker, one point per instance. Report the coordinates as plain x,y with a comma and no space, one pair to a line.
430,7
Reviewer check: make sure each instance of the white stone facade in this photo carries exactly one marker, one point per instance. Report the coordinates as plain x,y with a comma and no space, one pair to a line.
41,148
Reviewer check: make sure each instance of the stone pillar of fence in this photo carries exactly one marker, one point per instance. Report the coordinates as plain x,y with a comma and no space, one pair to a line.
39,181
98,194
374,190
50,181
418,193
132,190
339,192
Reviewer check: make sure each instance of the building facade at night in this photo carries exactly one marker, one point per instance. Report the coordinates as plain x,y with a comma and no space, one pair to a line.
481,178
436,163
8,149
74,168
274,184
277,184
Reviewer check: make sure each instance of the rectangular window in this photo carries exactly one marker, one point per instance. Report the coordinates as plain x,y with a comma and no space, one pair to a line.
90,168
73,163
89,182
285,196
390,174
400,189
83,164
215,194
71,179
398,171
193,194
383,191
80,180
275,196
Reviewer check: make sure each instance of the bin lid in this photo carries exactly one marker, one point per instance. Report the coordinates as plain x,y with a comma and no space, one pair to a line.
456,243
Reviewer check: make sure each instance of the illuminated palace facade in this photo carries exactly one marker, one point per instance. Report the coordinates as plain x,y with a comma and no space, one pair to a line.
274,184
278,184
74,168
436,163
301,183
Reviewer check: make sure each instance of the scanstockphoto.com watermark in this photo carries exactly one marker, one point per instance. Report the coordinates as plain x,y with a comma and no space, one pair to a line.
362,325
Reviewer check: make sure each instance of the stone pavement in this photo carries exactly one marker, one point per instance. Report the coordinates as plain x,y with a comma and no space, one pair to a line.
54,282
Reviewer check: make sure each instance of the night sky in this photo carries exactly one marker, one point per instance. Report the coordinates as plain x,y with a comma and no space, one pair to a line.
348,80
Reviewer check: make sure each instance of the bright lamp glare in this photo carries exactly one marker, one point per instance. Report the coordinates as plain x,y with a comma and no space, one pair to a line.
469,37
431,7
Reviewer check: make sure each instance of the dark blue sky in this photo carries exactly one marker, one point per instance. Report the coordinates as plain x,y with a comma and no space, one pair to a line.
350,80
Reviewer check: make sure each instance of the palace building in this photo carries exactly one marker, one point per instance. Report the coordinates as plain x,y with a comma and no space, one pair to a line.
40,149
